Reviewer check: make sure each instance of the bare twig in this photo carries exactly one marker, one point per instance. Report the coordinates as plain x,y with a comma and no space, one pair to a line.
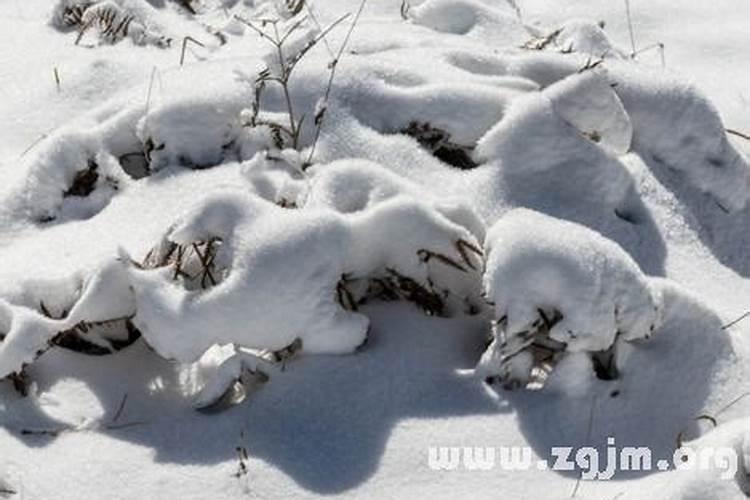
732,403
734,322
657,45
184,46
738,134
31,146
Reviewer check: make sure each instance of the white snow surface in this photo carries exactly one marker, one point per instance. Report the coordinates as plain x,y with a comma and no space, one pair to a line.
600,187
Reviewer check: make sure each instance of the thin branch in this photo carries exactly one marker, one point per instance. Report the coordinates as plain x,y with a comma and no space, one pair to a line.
184,46
331,77
733,402
732,323
255,28
630,28
738,134
314,18
657,45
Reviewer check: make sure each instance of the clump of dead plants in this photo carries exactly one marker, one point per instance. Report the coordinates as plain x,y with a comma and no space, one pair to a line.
94,338
438,143
84,181
112,22
197,265
534,343
91,338
529,356
392,285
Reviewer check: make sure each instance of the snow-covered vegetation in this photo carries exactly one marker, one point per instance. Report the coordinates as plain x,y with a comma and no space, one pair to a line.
419,210
563,287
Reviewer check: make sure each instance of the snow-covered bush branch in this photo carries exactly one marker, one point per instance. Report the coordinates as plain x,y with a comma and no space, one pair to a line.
557,289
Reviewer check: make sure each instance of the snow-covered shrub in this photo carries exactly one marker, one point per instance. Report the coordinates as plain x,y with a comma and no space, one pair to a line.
579,36
351,186
190,132
114,20
98,321
558,287
277,176
355,186
71,176
302,255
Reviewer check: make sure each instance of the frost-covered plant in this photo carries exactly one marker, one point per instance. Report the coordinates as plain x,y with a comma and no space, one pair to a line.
558,289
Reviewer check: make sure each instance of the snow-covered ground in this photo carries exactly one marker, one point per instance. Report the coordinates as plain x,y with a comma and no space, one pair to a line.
223,277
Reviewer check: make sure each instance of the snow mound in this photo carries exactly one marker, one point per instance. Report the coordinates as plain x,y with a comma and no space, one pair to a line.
676,128
470,17
71,177
559,288
559,147
349,186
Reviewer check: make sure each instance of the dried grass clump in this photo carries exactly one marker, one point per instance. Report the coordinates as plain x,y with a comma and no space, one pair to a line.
198,265
545,352
94,338
391,285
112,21
438,142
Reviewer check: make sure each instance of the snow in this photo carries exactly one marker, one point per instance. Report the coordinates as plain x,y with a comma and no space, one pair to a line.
469,146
